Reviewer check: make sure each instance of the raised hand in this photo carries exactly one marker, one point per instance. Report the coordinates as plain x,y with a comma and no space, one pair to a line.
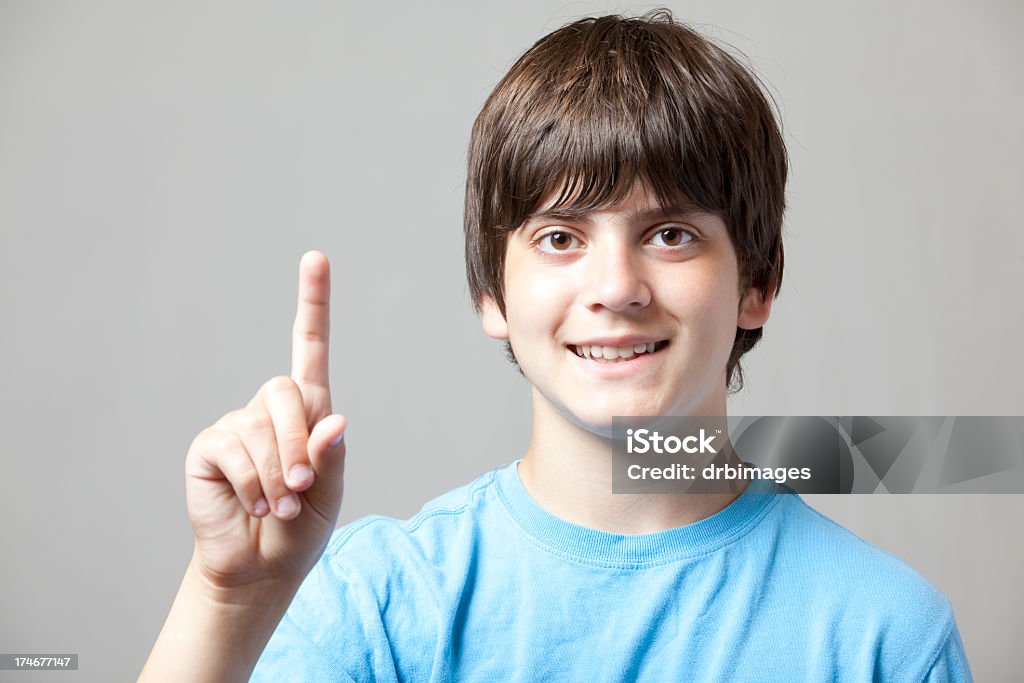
264,482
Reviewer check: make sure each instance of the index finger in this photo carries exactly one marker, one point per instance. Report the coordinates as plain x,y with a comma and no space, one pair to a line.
312,330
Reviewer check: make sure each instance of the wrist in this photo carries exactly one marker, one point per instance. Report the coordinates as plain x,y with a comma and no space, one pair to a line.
260,592
216,633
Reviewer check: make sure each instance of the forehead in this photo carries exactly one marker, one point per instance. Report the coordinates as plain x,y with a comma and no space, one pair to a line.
638,204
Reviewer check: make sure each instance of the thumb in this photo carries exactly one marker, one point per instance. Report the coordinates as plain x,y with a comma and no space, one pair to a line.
326,450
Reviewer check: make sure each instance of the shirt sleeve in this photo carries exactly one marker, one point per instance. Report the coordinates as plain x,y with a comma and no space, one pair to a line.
950,665
332,631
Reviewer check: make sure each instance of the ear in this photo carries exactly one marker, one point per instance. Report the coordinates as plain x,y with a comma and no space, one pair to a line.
754,308
493,321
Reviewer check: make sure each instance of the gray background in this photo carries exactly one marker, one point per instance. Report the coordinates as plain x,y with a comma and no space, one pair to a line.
164,165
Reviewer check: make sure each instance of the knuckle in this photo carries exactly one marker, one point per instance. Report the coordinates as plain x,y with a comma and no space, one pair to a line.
273,487
279,384
212,447
251,421
307,335
293,439
207,440
228,420
200,440
224,442
196,448
270,470
248,482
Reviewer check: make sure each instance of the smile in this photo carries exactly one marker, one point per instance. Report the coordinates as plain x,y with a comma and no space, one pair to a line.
616,354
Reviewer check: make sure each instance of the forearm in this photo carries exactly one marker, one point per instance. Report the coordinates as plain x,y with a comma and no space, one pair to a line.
214,636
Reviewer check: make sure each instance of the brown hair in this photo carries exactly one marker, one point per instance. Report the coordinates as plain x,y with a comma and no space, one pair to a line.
604,102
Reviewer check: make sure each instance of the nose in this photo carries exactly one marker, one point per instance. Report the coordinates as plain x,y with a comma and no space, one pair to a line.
616,279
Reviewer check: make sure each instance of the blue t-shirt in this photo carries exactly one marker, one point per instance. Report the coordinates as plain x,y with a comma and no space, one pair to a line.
485,585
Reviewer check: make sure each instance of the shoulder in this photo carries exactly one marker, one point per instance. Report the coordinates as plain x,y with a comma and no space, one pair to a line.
850,584
826,544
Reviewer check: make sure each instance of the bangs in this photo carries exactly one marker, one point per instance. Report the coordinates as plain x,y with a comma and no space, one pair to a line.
619,112
579,169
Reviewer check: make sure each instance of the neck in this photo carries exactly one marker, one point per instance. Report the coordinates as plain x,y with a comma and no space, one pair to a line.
568,471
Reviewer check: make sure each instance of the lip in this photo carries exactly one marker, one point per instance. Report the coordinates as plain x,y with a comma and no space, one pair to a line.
638,364
629,340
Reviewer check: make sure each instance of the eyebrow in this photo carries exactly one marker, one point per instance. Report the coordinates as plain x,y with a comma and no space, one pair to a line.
679,210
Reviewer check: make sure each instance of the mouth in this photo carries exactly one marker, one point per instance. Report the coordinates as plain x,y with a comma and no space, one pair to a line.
616,354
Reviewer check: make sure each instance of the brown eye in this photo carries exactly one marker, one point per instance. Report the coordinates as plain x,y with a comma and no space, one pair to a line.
671,237
556,241
561,241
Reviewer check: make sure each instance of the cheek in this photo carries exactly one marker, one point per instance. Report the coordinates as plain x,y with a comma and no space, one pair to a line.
537,301
707,305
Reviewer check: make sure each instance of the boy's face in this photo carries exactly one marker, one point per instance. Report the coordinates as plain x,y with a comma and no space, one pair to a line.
618,279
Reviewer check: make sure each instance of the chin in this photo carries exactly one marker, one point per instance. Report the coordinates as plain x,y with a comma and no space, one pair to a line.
598,420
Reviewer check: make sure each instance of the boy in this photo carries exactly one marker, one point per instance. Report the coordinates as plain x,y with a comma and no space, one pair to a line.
623,221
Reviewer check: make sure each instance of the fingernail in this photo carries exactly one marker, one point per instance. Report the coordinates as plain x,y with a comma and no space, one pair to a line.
261,507
287,506
338,439
299,475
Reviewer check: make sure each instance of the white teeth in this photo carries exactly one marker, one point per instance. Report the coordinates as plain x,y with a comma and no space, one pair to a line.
613,353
